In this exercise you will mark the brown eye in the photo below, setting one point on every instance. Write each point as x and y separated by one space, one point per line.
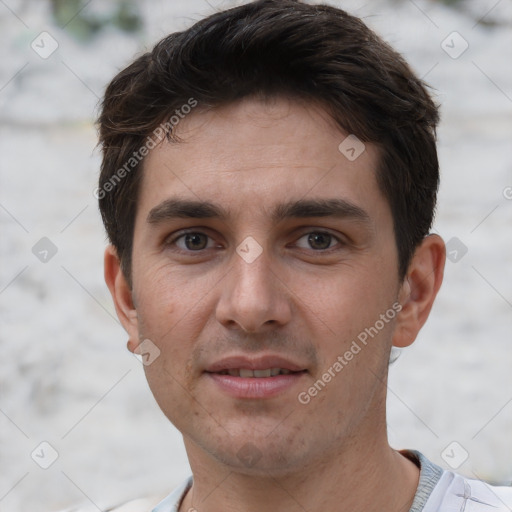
192 241
195 241
318 241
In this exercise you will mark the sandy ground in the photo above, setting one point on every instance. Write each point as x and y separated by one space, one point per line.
66 378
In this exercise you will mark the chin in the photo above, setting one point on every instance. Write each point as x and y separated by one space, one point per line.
253 461
256 452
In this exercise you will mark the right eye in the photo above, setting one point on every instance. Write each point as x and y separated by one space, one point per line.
191 241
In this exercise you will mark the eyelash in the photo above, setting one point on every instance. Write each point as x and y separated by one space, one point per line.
178 236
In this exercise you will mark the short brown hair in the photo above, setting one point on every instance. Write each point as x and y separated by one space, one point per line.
267 48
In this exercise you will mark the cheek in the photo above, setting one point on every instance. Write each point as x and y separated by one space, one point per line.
172 312
344 314
173 325
170 386
347 299
164 296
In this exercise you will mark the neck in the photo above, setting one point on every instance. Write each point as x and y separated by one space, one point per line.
367 476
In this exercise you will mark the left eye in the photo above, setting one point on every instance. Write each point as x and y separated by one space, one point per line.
318 240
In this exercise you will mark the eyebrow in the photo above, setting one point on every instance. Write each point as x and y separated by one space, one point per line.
173 208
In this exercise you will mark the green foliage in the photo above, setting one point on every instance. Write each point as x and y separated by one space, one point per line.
451 3
74 16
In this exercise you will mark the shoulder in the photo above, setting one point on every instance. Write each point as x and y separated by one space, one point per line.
456 492
442 490
499 497
152 504
173 501
139 505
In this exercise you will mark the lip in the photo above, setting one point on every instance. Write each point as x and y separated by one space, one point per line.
254 363
254 387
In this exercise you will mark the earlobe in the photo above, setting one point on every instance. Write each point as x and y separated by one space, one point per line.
122 296
419 289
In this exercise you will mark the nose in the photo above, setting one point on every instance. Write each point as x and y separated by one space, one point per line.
253 298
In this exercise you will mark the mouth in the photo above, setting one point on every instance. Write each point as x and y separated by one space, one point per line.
247 373
263 377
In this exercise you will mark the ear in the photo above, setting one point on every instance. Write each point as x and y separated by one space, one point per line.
419 289
122 296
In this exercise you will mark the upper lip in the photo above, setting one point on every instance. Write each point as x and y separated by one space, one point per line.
254 363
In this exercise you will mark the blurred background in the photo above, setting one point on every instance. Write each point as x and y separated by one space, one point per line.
78 424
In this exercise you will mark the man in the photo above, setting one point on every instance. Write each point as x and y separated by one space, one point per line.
268 183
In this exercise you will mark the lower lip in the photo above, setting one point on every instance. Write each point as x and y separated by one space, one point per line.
255 387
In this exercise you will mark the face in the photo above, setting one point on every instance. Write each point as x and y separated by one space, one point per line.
265 279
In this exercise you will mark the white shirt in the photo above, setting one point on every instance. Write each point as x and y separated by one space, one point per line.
439 490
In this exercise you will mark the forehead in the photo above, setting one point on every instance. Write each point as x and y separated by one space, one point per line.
250 155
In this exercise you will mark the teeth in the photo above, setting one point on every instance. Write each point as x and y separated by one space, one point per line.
246 373
262 373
